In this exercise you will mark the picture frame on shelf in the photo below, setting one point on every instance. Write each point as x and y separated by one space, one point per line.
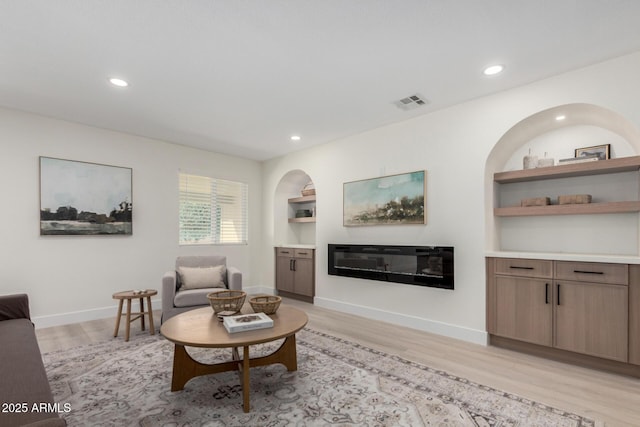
602 151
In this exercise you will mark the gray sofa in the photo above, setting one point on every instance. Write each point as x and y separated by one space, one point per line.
176 299
23 381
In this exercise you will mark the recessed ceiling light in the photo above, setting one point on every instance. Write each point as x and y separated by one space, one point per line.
561 117
493 70
295 138
118 82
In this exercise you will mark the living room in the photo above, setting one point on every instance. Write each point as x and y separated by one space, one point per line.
71 279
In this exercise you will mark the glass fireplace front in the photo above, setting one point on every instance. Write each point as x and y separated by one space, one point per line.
415 265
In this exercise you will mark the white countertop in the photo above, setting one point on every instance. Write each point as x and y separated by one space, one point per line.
618 259
296 246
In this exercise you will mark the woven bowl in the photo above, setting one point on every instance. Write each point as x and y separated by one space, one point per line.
267 304
229 301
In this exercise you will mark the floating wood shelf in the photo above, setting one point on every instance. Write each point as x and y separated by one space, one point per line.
623 164
303 199
600 167
581 209
303 219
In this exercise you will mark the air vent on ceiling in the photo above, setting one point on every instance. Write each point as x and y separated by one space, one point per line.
411 102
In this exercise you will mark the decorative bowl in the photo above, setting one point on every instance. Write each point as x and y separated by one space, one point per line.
229 301
267 304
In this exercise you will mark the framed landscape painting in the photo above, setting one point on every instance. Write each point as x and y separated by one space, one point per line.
394 199
602 152
80 198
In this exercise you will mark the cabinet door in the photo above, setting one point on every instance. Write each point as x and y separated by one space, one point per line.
304 276
284 274
523 309
592 318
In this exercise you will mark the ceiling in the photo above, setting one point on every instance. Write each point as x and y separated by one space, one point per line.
242 76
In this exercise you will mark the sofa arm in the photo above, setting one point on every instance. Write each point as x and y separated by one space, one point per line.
14 307
168 291
234 279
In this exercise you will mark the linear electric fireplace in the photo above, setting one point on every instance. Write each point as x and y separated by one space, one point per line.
414 265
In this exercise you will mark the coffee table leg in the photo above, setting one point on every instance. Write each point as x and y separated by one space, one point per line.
185 368
245 379
182 368
115 333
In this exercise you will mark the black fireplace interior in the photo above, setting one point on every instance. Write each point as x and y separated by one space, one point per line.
414 265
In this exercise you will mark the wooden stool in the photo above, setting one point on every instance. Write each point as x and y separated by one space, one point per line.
129 295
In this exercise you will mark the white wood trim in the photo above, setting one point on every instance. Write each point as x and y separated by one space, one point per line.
452 331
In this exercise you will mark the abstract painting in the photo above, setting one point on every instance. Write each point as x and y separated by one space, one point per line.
80 198
393 199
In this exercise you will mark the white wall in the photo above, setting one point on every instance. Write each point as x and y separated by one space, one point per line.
453 146
71 278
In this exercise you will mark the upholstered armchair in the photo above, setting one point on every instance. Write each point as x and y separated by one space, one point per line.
186 287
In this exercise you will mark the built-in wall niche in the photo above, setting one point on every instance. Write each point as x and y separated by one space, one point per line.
295 211
609 226
561 143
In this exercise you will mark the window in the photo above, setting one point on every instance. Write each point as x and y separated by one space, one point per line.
212 211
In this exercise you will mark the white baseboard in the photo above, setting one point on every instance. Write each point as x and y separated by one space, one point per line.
452 331
111 311
86 315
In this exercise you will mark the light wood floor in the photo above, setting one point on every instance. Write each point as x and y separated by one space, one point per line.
611 398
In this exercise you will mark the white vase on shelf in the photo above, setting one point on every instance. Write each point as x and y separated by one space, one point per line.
545 161
529 161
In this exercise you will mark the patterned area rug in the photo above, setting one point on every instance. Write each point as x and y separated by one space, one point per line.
337 383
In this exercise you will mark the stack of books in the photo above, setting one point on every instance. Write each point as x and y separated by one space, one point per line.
581 159
247 322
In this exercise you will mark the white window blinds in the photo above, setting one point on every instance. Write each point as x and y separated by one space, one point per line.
212 211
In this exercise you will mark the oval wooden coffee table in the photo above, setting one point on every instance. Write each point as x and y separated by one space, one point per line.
201 328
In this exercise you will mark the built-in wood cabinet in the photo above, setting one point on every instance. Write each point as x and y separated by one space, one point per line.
523 310
295 273
634 314
591 309
586 308
591 318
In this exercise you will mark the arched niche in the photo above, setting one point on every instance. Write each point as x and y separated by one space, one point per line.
543 132
286 233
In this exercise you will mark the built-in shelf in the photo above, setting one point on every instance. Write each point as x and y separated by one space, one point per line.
582 209
303 199
303 219
600 167
623 164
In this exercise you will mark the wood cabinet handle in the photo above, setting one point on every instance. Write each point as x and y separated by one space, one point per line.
558 292
520 268
588 272
294 264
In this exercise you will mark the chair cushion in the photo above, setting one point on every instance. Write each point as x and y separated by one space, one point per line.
192 297
202 277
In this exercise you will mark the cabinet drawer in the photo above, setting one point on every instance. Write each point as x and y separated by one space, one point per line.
288 252
617 274
524 267
304 253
